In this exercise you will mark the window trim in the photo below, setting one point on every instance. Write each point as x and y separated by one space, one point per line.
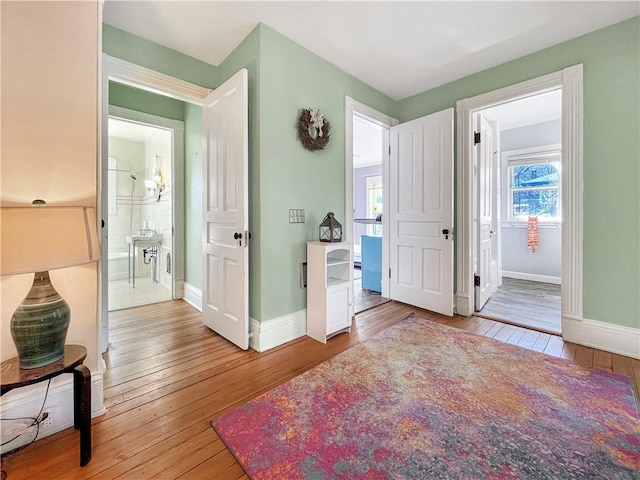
371 182
529 156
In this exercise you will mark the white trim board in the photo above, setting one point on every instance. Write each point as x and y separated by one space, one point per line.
193 296
263 335
353 107
601 335
532 277
27 401
144 78
277 331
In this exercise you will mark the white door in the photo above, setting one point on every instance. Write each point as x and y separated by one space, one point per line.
225 299
421 212
487 262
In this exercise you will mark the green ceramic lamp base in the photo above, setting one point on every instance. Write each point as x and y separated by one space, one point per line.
39 325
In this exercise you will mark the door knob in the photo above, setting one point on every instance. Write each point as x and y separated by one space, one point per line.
237 235
445 232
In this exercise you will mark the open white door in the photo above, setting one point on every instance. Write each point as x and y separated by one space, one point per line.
487 266
421 212
225 289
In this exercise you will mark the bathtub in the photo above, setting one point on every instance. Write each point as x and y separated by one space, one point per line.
118 265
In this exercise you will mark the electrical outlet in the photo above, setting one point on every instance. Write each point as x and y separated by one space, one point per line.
46 419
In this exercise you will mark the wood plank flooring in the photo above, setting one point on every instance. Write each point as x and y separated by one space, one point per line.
168 376
364 299
528 304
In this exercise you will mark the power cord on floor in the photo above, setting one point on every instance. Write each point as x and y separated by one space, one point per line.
35 421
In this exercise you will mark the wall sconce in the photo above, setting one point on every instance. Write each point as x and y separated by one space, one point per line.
157 184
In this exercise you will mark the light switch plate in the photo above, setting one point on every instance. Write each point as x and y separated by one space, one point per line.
296 215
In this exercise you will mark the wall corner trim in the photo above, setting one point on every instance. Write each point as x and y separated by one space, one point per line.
193 296
605 336
464 305
277 331
150 80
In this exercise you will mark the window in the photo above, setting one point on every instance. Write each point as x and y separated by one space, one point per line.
534 186
374 203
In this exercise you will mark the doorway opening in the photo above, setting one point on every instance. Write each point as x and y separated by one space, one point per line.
139 190
368 203
367 134
121 72
570 82
518 211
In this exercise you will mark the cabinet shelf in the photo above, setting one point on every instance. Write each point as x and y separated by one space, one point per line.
331 281
329 291
336 261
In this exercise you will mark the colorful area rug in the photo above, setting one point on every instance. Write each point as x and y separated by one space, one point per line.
424 401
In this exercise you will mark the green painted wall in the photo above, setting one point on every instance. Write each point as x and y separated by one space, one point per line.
125 46
141 101
193 194
284 77
292 78
611 59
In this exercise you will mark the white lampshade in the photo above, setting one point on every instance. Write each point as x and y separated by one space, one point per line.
42 238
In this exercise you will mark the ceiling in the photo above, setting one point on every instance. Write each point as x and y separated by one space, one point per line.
131 131
399 48
544 107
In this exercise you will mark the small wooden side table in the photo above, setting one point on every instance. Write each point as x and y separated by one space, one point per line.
12 376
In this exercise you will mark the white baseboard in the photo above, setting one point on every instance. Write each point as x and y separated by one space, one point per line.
464 305
532 277
193 296
179 289
27 402
263 335
601 335
277 331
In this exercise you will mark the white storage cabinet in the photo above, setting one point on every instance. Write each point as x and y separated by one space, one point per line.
329 293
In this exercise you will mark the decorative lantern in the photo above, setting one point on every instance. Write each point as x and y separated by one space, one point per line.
330 229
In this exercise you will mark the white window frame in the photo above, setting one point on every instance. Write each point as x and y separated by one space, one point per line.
530 156
372 181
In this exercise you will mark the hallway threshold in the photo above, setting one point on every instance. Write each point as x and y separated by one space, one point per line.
533 305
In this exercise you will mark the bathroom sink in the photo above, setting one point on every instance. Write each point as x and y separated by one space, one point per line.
144 240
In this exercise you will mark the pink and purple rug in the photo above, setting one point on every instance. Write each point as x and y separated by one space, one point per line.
422 400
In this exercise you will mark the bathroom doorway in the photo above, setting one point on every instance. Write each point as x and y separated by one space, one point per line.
139 190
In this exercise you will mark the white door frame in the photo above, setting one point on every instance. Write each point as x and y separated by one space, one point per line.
354 107
149 80
570 80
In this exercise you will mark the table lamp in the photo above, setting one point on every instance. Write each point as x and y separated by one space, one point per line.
37 239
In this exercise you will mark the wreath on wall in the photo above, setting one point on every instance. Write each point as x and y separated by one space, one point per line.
313 129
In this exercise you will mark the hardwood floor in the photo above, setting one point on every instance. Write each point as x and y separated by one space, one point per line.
168 376
528 304
364 299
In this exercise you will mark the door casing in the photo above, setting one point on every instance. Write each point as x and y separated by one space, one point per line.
149 80
353 107
570 80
